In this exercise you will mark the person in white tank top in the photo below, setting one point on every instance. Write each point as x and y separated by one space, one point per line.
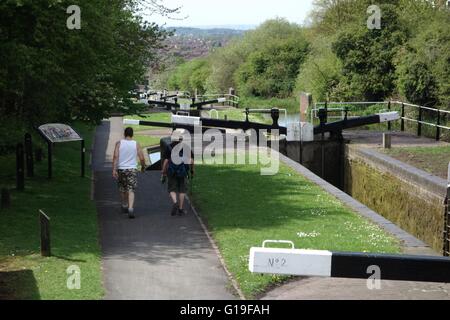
125 160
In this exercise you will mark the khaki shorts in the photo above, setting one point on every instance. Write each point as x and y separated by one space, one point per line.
176 184
127 180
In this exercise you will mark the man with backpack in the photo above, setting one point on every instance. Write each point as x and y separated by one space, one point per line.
177 169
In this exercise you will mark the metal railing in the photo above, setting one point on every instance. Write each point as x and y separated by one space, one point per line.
410 113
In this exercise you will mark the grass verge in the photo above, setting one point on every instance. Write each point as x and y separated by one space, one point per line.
434 160
24 274
243 208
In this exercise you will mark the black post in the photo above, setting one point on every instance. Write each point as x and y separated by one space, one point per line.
20 167
50 156
419 123
326 112
6 199
29 155
403 118
446 236
83 158
45 234
438 123
446 246
389 123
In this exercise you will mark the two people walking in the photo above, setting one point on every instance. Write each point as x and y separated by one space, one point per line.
177 168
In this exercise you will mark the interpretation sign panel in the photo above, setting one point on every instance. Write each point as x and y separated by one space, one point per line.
56 132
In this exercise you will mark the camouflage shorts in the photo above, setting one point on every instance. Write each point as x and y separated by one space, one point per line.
127 180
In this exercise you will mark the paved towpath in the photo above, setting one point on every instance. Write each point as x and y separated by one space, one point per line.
155 256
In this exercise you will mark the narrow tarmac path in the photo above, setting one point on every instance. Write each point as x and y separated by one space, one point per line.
155 256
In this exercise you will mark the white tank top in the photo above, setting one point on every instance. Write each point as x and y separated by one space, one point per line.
127 155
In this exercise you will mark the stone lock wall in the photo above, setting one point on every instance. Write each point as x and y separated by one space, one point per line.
401 196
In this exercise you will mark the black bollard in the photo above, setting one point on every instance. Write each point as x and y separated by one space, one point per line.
20 167
6 199
29 155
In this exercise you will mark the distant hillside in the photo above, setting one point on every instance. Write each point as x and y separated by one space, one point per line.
197 32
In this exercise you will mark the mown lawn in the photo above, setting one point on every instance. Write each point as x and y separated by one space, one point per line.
434 160
243 208
24 274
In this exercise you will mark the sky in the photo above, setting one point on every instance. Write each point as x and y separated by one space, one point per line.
206 13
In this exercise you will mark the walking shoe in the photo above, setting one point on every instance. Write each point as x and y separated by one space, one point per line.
131 213
124 210
182 212
174 210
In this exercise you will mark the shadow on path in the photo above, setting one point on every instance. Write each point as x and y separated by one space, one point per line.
154 256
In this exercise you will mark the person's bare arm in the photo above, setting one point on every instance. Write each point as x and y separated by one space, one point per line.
141 157
115 160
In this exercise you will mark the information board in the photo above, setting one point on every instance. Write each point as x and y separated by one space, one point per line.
56 133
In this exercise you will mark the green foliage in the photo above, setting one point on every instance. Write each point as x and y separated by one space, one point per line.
424 65
224 63
272 70
409 56
337 57
328 16
321 73
263 63
51 73
189 76
367 57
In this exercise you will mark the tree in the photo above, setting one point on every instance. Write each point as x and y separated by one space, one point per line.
367 57
320 75
272 71
424 66
51 73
